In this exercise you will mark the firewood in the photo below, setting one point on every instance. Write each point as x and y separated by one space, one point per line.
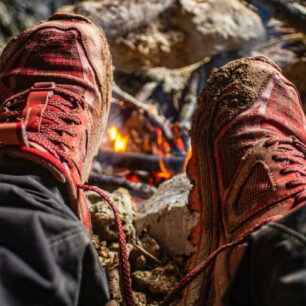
110 183
151 163
190 103
151 111
146 91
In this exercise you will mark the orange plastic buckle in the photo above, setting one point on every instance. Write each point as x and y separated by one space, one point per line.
13 134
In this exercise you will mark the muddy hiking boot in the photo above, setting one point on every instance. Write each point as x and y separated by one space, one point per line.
55 91
248 166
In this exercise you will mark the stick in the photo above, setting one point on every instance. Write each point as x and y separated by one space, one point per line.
152 112
146 91
283 39
148 109
138 246
189 106
111 183
150 163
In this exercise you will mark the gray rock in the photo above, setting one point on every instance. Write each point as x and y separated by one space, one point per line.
17 15
167 217
184 33
103 219
117 18
217 25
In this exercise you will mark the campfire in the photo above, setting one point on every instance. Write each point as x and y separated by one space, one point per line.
140 145
162 60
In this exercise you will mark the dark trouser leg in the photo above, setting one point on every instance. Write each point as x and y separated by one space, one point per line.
46 255
273 269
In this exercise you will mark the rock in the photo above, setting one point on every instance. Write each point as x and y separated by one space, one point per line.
141 263
185 33
167 217
214 26
150 245
103 219
117 18
159 280
141 299
158 44
17 15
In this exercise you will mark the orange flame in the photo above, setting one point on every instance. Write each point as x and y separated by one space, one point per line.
164 172
120 142
188 156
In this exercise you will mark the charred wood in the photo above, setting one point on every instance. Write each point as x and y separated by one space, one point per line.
110 183
190 103
152 112
150 163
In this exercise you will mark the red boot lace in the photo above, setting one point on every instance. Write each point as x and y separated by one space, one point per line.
54 124
292 153
288 150
62 111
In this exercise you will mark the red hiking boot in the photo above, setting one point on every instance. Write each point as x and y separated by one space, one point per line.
248 166
55 89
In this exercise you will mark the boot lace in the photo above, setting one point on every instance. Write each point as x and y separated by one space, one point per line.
287 150
291 152
60 115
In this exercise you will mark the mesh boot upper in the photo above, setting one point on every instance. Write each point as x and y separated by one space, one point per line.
56 78
248 164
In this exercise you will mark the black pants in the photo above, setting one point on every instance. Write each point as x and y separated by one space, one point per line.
46 255
47 258
273 269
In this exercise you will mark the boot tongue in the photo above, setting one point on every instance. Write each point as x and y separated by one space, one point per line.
52 55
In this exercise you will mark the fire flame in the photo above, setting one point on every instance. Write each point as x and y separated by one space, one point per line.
120 142
163 148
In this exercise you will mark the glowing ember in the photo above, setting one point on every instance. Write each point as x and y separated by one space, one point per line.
120 142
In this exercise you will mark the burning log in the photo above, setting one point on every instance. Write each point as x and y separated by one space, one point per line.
152 113
150 163
293 12
111 183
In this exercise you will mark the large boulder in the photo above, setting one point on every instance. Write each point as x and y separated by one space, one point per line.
183 33
119 17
